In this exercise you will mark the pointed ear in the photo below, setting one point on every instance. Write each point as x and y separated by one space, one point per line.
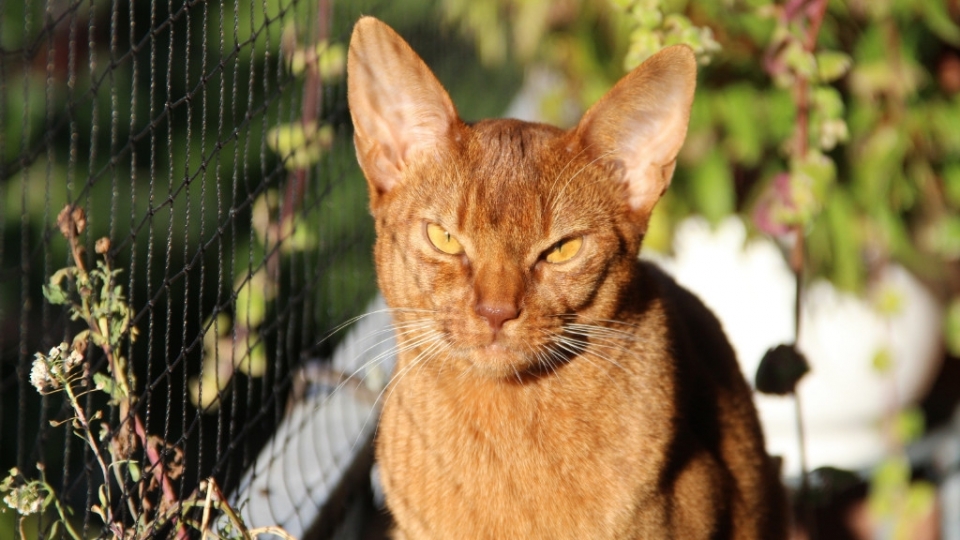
400 111
640 124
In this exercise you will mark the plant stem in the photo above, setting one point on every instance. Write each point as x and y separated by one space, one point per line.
65 520
117 369
60 510
814 12
155 460
92 443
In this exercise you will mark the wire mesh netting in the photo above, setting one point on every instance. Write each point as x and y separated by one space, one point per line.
180 210
184 231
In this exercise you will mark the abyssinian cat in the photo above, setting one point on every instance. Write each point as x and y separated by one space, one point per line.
548 383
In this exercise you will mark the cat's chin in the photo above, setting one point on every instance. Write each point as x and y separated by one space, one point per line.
499 361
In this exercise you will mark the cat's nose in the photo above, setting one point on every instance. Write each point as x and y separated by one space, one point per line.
497 313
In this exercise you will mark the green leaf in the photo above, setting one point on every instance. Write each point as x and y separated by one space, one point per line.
951 184
251 306
909 425
712 189
54 294
736 107
821 169
889 477
54 291
331 61
102 496
811 180
252 357
643 44
946 236
134 469
828 101
646 18
109 386
781 111
300 145
799 59
831 65
882 361
938 19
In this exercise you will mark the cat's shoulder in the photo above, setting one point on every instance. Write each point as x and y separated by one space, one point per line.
692 321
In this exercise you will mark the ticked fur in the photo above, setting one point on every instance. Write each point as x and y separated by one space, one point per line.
589 398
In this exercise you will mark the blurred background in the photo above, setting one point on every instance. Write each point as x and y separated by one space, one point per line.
210 142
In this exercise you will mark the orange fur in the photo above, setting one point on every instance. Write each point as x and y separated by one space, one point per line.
591 398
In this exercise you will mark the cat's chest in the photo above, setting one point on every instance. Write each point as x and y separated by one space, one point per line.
448 445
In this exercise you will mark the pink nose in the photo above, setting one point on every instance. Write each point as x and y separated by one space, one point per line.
496 314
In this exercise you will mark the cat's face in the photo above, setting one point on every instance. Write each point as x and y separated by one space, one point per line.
496 240
501 241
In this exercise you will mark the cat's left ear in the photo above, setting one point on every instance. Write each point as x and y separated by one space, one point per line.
640 124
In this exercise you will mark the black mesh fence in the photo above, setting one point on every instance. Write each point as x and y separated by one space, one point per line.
209 142
182 222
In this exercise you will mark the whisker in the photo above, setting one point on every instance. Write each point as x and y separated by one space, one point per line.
581 349
395 380
405 331
590 330
584 344
394 329
353 320
434 336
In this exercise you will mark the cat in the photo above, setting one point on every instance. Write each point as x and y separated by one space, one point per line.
548 383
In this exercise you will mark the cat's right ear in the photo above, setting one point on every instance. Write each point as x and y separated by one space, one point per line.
400 111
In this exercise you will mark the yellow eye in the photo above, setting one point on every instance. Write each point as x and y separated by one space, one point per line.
443 240
564 250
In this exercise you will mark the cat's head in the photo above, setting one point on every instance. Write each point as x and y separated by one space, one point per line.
497 240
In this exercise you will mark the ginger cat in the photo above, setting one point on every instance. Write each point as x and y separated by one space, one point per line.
548 384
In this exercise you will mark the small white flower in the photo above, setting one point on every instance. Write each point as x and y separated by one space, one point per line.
48 370
73 360
25 499
40 376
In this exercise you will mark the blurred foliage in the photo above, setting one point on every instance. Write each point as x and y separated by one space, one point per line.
872 176
897 503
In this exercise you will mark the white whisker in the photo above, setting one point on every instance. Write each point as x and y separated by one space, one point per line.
395 380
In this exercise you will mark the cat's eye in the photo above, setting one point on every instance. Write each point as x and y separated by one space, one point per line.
564 250
443 240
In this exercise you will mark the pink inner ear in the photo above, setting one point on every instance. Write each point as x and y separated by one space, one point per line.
379 169
400 111
642 123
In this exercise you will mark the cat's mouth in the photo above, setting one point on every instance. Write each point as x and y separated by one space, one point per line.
501 359
495 359
519 349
